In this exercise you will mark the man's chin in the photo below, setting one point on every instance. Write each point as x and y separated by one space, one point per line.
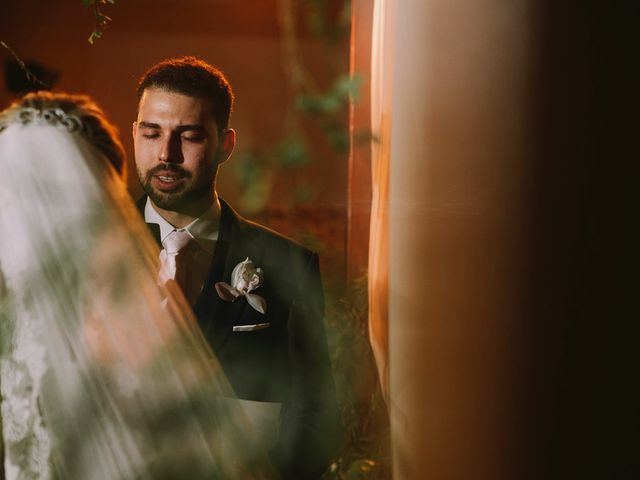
168 201
175 201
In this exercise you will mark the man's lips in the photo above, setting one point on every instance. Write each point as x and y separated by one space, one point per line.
167 179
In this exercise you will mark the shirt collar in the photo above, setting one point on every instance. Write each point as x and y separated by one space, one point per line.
203 229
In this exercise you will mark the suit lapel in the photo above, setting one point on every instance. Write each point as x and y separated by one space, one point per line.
154 228
155 232
216 316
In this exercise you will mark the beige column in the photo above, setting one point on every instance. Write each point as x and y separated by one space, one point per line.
507 138
459 163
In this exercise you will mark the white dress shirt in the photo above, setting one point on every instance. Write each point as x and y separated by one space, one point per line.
204 231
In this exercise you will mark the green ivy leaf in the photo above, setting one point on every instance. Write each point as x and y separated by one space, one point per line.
339 139
293 152
94 36
344 88
102 19
317 104
347 86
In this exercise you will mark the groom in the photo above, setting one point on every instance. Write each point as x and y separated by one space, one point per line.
268 331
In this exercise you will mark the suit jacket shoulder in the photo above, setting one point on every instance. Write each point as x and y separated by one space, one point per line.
262 234
283 260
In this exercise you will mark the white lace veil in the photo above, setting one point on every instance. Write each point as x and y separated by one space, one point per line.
125 385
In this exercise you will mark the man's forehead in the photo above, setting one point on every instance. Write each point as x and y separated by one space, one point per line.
155 94
157 101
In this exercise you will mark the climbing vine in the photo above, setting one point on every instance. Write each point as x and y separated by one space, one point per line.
100 20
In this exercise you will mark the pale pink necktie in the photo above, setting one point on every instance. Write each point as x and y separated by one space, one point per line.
173 265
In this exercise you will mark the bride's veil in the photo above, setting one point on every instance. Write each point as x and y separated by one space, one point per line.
129 388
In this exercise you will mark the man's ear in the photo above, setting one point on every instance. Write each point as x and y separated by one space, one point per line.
134 128
228 144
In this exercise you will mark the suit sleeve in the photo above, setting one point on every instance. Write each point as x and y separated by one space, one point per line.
310 427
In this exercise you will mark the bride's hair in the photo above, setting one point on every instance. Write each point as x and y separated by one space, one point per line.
95 126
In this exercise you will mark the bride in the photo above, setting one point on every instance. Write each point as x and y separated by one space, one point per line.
103 372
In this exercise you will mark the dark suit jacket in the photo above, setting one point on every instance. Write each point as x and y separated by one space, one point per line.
287 362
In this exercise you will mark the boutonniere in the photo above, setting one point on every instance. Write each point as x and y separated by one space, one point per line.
245 278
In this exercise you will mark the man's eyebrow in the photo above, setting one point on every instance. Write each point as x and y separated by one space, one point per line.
180 128
144 124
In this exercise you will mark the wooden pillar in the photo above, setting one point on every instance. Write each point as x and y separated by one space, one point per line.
359 189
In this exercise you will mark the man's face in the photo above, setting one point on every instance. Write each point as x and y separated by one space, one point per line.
178 149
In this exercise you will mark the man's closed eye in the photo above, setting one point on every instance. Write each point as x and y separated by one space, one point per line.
193 138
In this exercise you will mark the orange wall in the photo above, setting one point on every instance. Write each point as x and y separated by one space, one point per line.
242 38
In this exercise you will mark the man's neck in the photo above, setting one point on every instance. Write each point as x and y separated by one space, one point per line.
185 216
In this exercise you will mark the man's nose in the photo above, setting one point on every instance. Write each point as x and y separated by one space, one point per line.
170 150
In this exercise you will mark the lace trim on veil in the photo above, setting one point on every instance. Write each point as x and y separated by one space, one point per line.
50 116
25 439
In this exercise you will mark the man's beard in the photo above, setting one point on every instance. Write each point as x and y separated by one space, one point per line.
175 200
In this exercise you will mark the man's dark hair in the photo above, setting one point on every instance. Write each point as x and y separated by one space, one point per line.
195 78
